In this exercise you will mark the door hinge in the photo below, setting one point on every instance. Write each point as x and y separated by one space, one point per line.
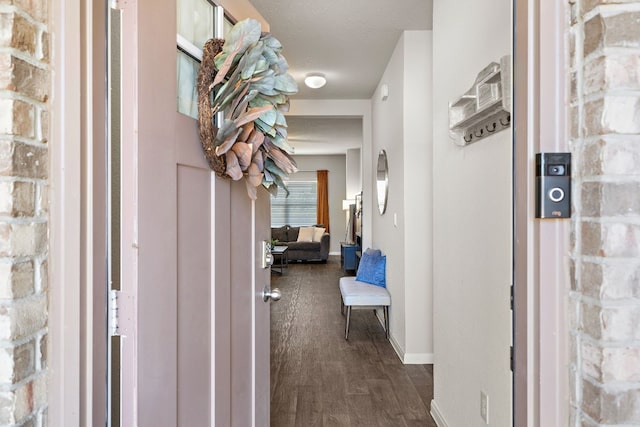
121 4
120 313
512 297
511 359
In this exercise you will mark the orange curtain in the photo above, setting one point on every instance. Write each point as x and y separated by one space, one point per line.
322 216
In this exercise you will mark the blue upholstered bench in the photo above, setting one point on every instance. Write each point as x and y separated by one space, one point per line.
361 294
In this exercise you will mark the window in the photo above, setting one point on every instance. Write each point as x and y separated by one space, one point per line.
196 25
187 94
195 21
299 209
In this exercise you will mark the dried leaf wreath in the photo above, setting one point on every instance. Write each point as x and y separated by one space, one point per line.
245 76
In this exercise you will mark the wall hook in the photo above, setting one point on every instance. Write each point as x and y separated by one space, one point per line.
508 121
493 127
481 134
470 138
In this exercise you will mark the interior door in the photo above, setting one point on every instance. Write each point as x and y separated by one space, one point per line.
195 344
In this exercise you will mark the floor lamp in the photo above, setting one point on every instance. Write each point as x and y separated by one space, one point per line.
346 206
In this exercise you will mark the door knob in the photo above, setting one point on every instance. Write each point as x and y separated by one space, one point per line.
274 294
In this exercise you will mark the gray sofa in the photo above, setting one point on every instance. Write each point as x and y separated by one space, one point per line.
301 251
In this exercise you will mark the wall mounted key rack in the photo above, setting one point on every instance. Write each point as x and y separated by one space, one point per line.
485 108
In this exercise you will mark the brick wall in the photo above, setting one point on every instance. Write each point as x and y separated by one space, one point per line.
24 89
605 244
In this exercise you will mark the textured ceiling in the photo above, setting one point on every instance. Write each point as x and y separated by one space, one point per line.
349 41
319 135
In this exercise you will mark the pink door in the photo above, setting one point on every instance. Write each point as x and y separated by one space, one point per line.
195 345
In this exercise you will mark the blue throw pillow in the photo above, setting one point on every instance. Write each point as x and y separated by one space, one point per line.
372 269
375 252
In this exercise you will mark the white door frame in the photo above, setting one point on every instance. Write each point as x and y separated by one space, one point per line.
541 262
539 114
76 235
65 346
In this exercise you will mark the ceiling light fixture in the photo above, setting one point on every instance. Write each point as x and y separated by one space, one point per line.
315 81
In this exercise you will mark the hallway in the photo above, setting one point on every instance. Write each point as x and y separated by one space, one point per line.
319 379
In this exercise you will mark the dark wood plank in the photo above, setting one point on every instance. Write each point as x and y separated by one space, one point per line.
320 379
309 407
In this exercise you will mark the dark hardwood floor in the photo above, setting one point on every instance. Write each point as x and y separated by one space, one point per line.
320 379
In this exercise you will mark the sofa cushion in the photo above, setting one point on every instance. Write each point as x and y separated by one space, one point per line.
317 233
306 234
280 233
292 234
304 246
358 293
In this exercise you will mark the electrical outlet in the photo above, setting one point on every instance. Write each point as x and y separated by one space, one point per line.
484 407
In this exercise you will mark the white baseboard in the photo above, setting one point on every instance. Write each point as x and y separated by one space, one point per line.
437 415
396 347
410 358
418 359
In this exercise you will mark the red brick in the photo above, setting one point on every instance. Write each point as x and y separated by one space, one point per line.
621 364
610 280
30 80
593 34
611 323
6 71
18 362
24 35
44 126
611 156
17 198
23 119
18 159
23 318
45 40
612 114
623 30
612 72
37 9
613 30
588 5
611 406
16 279
17 118
610 199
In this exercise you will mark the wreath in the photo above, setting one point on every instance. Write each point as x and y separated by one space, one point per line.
245 77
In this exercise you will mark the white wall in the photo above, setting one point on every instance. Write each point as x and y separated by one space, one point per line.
401 125
346 108
336 165
354 175
241 9
472 225
387 130
418 201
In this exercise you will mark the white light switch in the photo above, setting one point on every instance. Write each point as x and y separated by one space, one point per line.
384 92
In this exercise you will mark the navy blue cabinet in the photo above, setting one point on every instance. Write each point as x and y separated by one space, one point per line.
348 256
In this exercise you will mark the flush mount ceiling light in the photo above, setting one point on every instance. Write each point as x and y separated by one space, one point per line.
315 81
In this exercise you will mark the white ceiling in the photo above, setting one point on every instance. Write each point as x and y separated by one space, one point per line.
320 135
350 42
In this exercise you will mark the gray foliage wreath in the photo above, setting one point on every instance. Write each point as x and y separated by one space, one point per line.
245 76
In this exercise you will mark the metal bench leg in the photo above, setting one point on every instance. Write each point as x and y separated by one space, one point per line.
346 329
386 319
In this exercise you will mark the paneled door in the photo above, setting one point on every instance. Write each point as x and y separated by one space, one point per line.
194 344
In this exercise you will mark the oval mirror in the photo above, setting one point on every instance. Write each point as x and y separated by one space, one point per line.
382 181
